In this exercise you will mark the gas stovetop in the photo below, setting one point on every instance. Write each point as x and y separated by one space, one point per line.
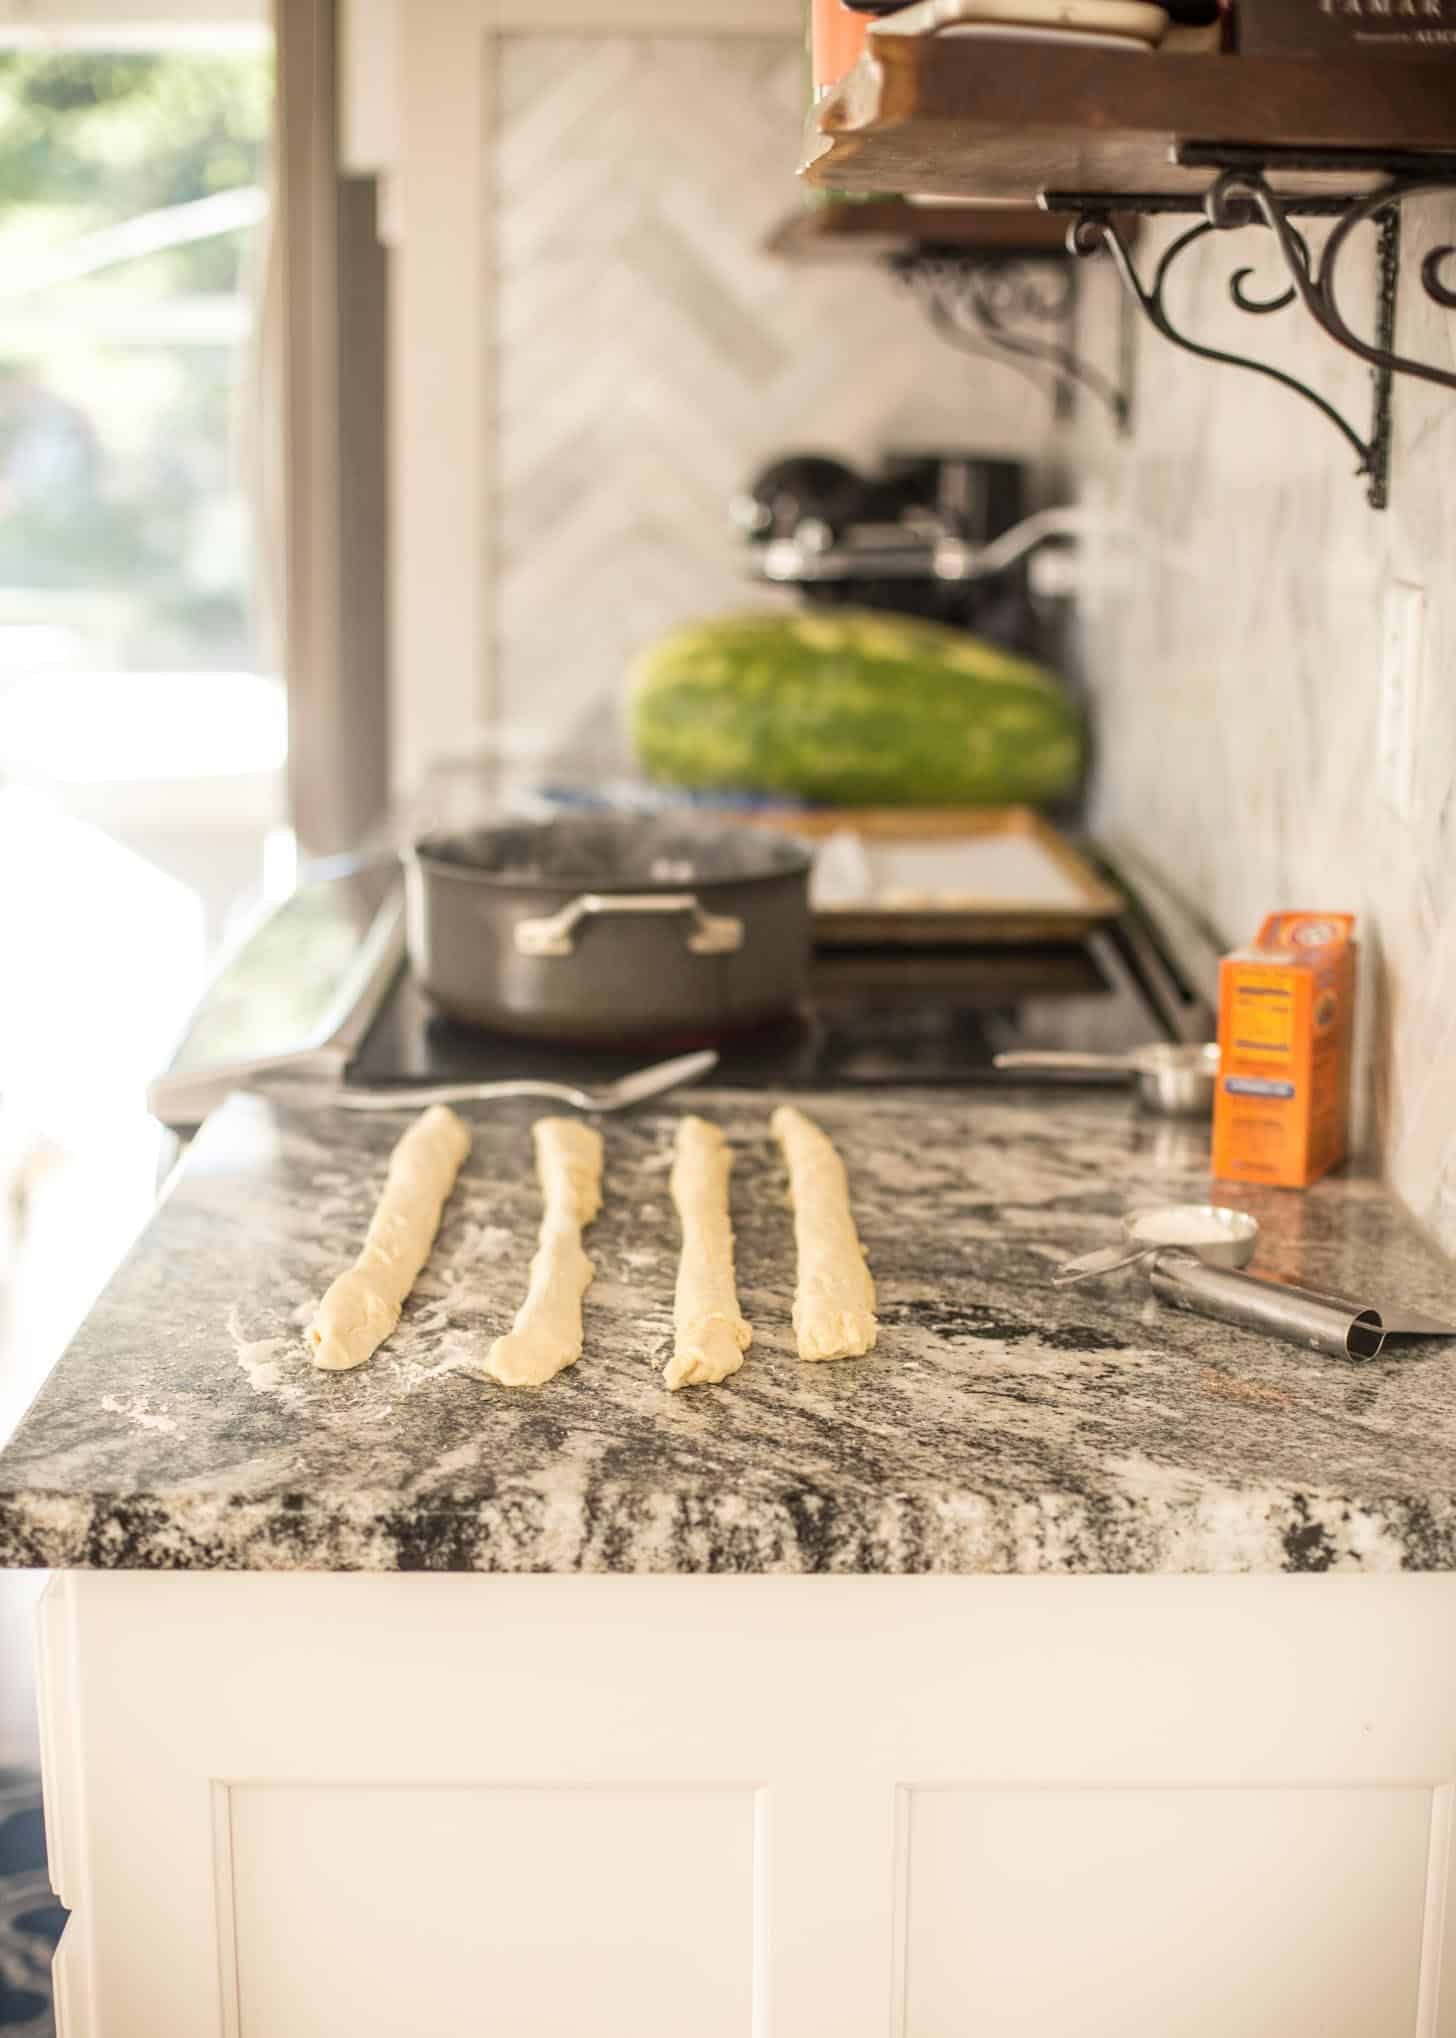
321 987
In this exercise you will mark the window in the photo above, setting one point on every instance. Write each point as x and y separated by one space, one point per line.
142 727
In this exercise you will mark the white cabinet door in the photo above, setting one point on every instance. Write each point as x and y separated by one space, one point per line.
365 1913
1179 1913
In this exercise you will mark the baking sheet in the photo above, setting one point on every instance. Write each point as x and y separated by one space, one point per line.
947 876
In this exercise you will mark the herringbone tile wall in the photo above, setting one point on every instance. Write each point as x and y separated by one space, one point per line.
648 356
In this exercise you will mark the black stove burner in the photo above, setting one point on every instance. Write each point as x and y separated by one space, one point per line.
875 1017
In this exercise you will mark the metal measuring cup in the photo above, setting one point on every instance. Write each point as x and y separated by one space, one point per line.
1172 1077
1219 1235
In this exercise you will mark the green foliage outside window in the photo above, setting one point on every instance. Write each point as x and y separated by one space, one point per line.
120 511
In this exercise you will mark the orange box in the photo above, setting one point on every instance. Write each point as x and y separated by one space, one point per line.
1285 1009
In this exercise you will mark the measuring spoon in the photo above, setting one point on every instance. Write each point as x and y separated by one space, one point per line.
1219 1235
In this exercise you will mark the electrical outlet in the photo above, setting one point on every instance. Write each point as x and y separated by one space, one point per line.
1398 726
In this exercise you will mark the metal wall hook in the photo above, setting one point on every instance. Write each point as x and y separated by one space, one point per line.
1431 279
1099 229
1030 365
984 304
1242 196
1258 307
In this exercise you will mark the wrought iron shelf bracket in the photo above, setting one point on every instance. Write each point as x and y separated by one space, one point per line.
1243 194
1017 308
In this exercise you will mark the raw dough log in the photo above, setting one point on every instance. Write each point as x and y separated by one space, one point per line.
362 1307
547 1332
834 1302
710 1334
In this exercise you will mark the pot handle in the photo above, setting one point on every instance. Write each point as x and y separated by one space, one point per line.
709 934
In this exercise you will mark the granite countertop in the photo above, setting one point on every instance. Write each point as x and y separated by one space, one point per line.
1001 1425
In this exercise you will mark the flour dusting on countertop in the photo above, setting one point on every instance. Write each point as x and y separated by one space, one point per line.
138 1412
1000 1425
258 1357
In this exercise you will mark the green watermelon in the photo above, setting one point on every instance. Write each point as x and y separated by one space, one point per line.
853 708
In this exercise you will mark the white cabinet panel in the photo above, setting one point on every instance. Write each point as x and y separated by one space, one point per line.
1176 1913
811 1808
528 1913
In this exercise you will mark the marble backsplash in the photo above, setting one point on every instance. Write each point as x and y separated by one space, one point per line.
648 355
1233 643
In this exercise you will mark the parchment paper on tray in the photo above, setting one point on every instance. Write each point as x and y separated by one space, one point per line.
911 876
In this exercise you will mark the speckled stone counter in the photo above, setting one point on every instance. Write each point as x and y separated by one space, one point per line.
1002 1425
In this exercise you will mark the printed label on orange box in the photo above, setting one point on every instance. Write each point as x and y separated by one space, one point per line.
1285 1009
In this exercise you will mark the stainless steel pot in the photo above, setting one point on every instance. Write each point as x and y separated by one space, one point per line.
594 928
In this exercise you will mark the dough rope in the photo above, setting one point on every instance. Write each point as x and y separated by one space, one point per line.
547 1335
361 1308
834 1300
710 1335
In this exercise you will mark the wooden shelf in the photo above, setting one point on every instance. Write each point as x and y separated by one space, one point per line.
965 118
880 228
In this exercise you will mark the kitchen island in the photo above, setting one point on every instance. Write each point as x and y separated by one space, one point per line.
1066 1664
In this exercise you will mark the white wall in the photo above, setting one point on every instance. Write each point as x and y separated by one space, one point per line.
1237 672
649 356
591 351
